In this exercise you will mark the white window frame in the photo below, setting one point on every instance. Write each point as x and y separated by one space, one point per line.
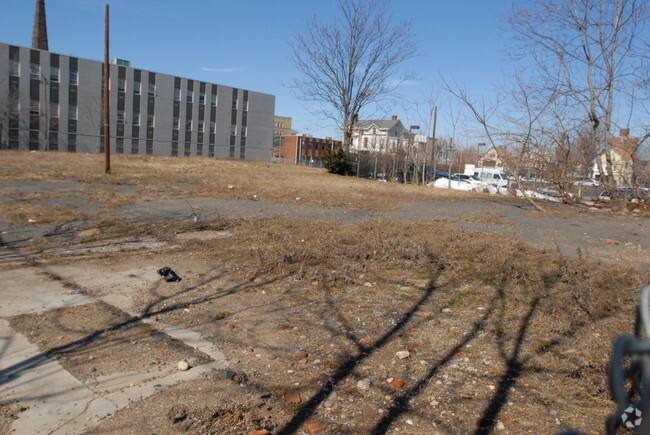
34 71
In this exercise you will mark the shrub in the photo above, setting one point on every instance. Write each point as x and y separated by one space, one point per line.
338 162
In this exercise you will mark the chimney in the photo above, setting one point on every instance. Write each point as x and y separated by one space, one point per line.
39 34
625 132
394 117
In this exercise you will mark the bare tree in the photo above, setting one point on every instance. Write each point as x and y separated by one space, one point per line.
352 62
590 49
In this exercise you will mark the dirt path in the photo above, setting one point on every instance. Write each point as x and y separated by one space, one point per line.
571 230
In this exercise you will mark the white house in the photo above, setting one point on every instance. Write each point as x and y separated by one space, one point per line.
380 135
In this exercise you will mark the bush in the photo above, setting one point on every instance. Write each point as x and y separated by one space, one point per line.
338 162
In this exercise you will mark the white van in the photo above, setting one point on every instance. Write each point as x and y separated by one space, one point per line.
492 176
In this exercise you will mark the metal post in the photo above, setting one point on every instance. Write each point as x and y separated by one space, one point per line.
433 142
107 77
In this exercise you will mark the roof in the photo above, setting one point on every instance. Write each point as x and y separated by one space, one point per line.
382 124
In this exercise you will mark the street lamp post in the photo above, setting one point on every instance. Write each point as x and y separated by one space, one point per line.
478 152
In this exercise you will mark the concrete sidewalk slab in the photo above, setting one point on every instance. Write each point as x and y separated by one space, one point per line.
26 291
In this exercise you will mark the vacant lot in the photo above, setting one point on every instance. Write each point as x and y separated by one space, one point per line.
341 305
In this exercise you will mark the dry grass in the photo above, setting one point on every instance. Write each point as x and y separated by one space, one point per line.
234 179
26 213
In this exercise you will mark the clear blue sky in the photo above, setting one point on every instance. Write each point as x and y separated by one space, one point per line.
245 44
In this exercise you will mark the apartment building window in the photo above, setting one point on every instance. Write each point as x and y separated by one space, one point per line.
213 100
136 119
72 111
213 127
234 101
54 110
201 125
120 116
233 130
14 68
190 96
177 94
33 107
137 88
176 124
34 71
151 121
152 89
188 125
54 74
74 77
121 85
244 131
202 98
245 105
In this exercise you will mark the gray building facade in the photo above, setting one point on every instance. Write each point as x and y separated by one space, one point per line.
54 102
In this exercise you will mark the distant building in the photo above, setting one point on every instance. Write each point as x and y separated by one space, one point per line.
281 128
303 150
50 101
496 158
380 135
626 164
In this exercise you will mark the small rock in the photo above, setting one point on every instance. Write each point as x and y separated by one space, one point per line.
363 384
302 361
409 422
314 427
230 375
403 354
292 396
446 310
183 366
331 399
219 316
230 326
500 426
434 403
260 432
300 355
367 284
397 383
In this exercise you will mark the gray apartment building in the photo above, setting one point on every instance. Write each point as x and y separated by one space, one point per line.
51 101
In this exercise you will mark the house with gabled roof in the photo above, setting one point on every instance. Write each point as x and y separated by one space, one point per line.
623 150
380 135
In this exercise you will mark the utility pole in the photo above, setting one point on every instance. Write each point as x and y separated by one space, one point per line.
107 78
433 145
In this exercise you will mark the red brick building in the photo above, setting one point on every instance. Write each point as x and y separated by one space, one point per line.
303 150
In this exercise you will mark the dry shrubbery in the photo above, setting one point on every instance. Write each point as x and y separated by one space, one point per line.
334 255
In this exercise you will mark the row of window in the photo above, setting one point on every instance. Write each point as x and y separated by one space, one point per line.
35 73
54 112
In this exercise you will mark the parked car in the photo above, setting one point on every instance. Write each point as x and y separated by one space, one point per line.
492 176
629 193
587 182
471 179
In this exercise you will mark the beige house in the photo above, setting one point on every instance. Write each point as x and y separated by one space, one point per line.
495 157
622 150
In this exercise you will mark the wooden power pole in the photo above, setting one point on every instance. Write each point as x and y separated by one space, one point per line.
107 78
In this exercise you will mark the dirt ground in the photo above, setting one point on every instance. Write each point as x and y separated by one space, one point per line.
470 315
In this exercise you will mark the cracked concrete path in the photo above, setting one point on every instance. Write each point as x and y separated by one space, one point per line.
55 401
